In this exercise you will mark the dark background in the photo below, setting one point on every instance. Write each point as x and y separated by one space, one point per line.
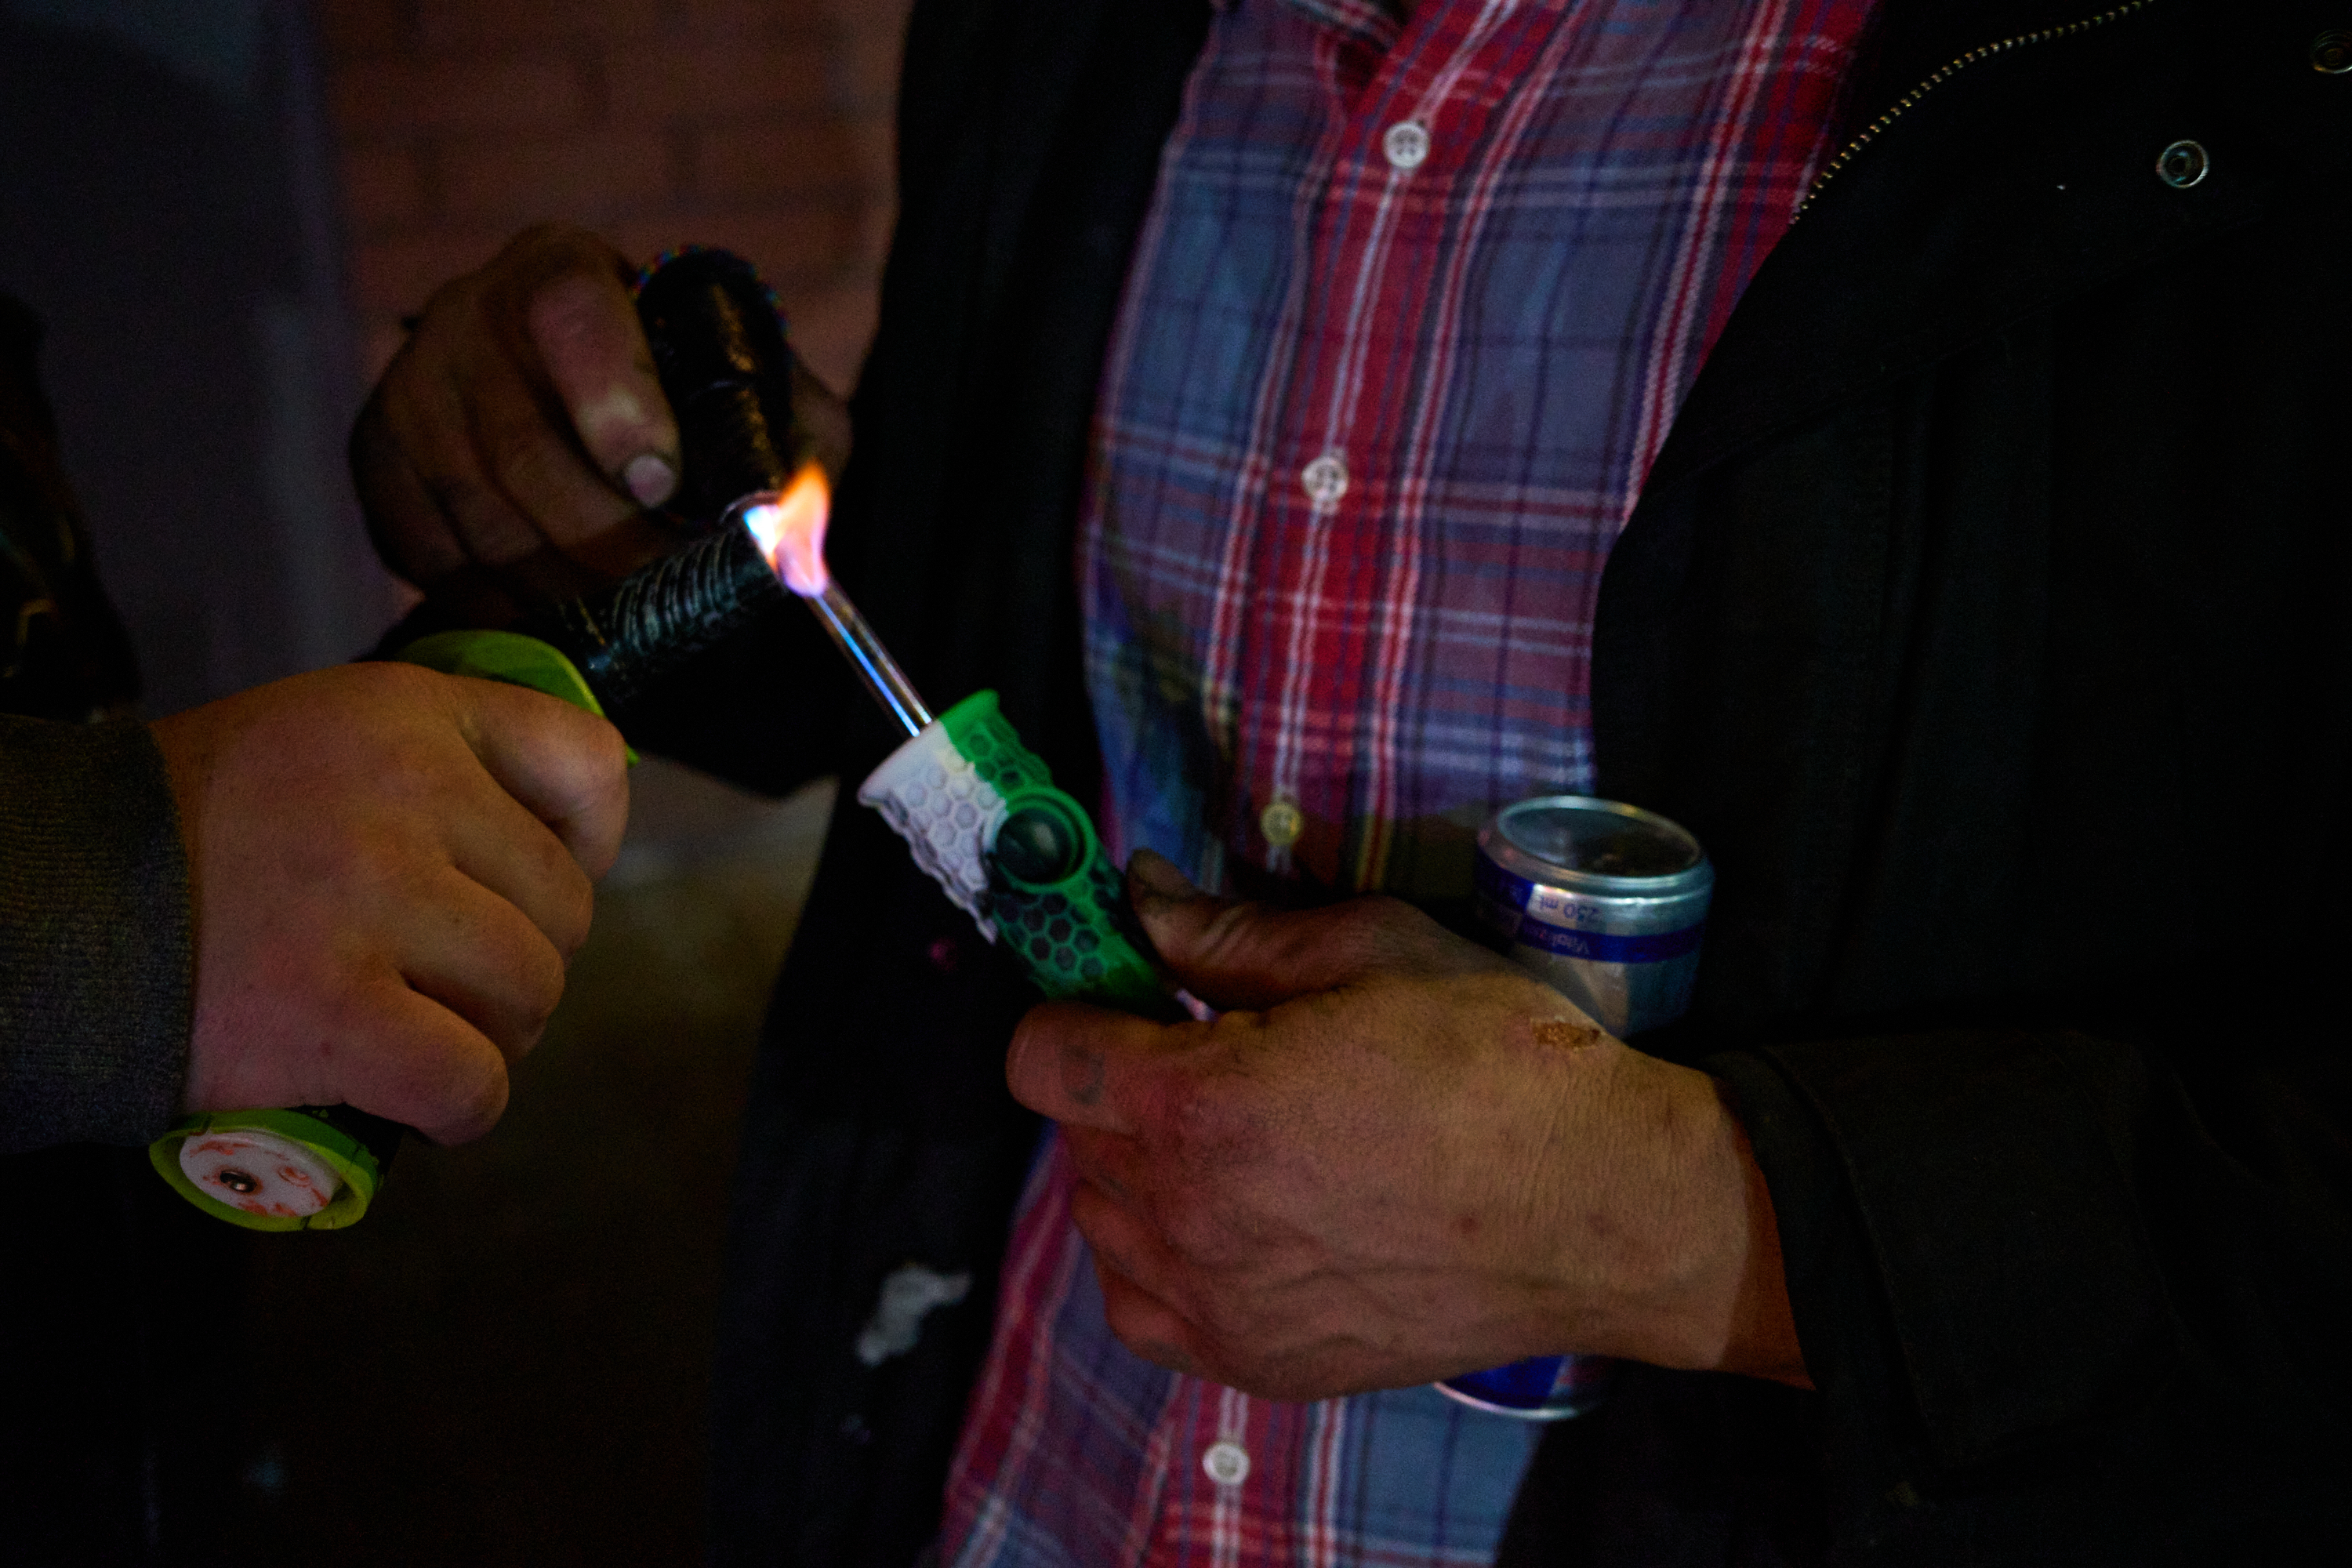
222 209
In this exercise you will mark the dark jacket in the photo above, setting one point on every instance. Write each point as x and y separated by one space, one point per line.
1984 615
101 1359
95 951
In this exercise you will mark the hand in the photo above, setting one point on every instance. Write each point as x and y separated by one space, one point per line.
1396 1158
390 869
512 447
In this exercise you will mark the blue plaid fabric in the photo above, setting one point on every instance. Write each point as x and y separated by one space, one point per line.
1402 1477
1416 304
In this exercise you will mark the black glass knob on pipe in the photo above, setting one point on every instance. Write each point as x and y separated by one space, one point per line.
725 366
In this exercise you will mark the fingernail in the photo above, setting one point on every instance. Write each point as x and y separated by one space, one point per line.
1160 877
649 479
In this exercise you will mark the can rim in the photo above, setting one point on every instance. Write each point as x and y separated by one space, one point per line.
1514 1412
1698 873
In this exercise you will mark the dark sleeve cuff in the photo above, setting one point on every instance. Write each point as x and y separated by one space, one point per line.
1965 1243
1832 1285
96 949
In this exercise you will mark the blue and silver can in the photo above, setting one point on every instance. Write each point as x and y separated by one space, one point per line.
1605 904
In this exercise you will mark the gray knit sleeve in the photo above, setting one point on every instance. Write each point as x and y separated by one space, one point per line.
97 945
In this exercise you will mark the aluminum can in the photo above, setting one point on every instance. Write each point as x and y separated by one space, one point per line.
1602 902
1605 904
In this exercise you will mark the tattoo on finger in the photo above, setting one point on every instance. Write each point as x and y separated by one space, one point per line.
1082 1075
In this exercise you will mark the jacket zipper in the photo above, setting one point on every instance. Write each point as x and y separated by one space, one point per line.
1875 128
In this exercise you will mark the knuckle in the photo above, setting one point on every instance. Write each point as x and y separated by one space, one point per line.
1098 1159
393 863
1390 934
553 242
1363 930
458 296
472 1100
578 304
574 910
392 681
1144 1328
526 456
525 263
1226 1316
523 983
385 714
363 991
1232 931
1130 1323
361 855
1196 1116
486 525
541 982
1189 1229
601 757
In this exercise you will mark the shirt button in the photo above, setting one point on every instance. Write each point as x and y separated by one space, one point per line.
1325 480
1406 144
2183 164
1226 1463
1282 821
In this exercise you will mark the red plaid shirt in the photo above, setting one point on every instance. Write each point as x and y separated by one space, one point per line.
1416 302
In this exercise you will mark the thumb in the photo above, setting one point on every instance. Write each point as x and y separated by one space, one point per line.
586 331
1235 954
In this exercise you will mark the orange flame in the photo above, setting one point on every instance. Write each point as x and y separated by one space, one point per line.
790 530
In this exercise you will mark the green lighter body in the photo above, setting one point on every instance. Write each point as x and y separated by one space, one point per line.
982 814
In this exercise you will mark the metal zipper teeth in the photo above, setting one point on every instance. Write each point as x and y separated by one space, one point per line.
1878 126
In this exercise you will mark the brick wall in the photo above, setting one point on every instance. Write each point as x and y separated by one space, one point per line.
762 125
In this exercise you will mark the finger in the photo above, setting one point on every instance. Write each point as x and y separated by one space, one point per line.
1250 955
417 540
447 437
1074 1063
402 1055
542 447
823 418
501 846
1193 1209
568 768
586 331
435 517
1112 1162
1148 1326
479 955
1125 1241
524 446
411 534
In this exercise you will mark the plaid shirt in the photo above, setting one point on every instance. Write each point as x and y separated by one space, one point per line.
1416 304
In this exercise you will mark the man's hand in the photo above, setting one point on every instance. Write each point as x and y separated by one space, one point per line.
1396 1158
390 868
515 441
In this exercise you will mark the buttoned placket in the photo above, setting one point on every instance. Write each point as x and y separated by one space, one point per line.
1392 167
